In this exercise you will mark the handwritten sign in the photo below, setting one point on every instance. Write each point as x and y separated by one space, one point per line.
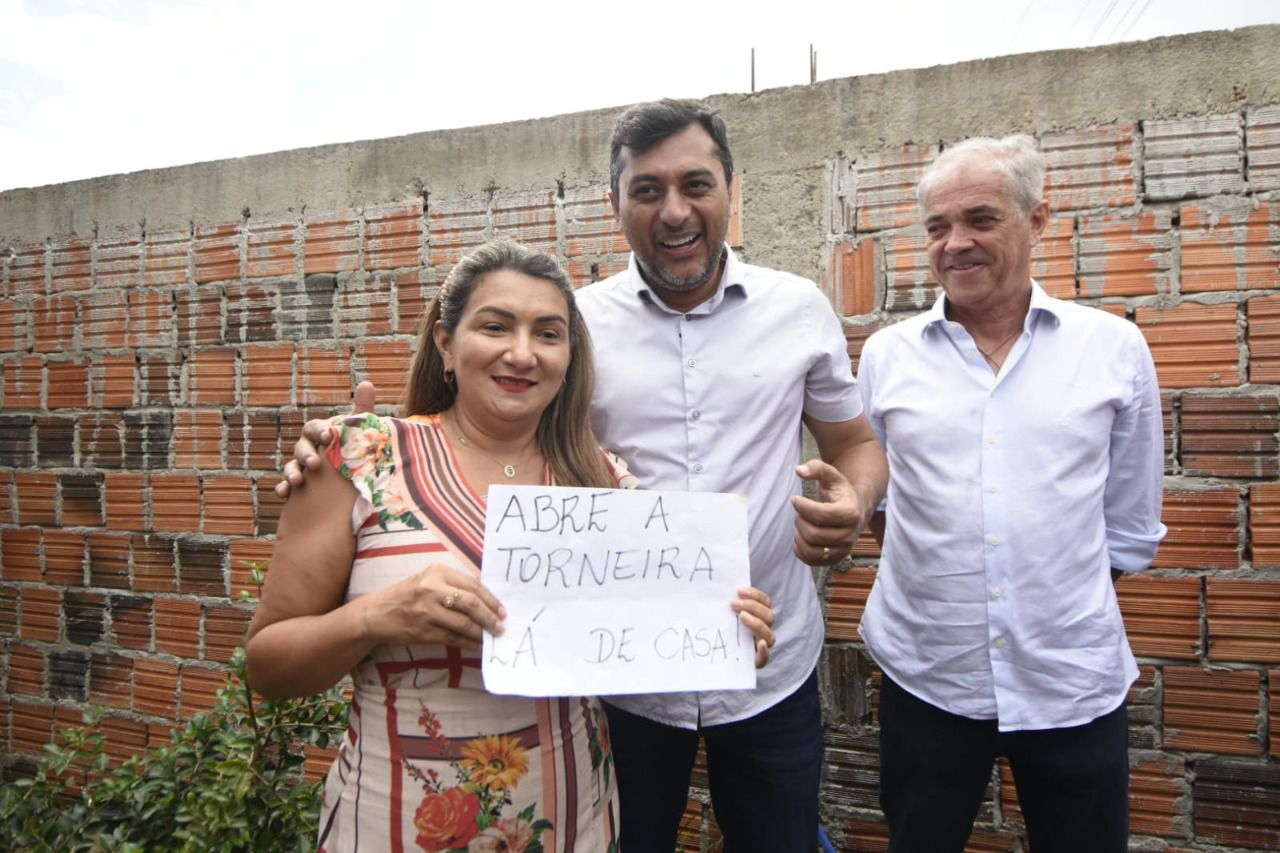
616 591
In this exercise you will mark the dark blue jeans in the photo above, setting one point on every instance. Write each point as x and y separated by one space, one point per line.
764 775
1073 783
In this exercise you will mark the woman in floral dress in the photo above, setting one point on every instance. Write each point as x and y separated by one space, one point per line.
376 574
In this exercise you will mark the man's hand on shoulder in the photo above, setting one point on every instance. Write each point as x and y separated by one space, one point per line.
315 435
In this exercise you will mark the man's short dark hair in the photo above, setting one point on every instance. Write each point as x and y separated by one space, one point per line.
645 125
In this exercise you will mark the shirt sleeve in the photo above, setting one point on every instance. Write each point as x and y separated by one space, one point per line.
830 392
1134 492
361 450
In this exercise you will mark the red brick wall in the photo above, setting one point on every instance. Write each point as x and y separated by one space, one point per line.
153 383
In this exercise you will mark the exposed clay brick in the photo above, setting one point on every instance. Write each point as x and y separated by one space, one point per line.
27 271
1211 711
23 383
109 560
1244 619
21 549
155 569
197 439
582 273
1192 344
414 292
1264 524
1126 256
1230 436
852 279
1203 528
1273 677
846 596
324 376
124 739
32 727
393 235
199 315
16 446
1091 168
125 496
200 567
64 557
269 505
177 623
591 229
1143 702
267 377
1237 803
1158 796
41 611
272 249
909 286
70 266
1223 251
104 319
253 440
211 377
1195 157
131 621
455 228
217 253
886 186
101 440
167 257
151 318
175 502
53 323
37 498
364 306
56 441
117 262
1053 262
68 385
155 687
250 312
385 364
306 311
1161 615
13 326
1262 129
228 502
81 499
246 553
111 680
526 218
86 614
148 437
111 381
200 686
26 671
866 836
1264 339
224 630
331 243
851 765
8 514
317 761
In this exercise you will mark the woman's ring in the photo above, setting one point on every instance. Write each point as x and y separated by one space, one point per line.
451 599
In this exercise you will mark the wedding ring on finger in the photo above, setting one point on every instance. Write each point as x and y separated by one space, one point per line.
826 553
451 599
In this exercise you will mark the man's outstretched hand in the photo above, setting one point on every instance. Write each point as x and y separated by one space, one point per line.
315 435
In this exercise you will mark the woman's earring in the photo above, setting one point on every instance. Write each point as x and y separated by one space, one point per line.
449 380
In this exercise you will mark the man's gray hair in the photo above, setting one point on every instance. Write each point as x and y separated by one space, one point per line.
1016 157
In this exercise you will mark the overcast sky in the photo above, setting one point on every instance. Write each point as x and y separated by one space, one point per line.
96 88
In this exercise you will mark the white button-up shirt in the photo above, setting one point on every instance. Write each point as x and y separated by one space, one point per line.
1011 497
712 401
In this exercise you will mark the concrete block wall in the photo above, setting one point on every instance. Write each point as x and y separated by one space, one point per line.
164 335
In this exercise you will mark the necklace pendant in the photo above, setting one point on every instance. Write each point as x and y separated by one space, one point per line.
509 471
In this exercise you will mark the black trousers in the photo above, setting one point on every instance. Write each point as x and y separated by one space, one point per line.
1073 783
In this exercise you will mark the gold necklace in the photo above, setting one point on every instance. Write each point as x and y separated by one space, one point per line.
990 356
508 468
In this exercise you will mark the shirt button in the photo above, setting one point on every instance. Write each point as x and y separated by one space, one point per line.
697 468
993 540
992 489
997 592
1000 643
693 362
991 440
695 414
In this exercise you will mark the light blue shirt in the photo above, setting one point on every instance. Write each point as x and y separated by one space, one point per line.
1010 499
712 401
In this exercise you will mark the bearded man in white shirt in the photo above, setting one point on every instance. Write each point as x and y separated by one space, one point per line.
1026 457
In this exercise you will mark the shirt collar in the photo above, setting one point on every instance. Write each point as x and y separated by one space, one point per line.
732 280
1041 303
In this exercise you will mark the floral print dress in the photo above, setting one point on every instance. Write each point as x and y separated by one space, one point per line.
431 761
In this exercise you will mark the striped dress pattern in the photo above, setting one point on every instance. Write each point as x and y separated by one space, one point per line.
430 761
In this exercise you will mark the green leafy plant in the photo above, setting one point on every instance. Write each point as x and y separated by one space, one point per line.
230 779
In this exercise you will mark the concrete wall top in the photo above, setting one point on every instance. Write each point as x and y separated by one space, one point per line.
774 132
